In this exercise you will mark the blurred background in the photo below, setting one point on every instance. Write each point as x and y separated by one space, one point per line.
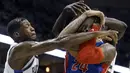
43 13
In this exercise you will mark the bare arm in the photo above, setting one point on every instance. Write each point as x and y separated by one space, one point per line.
74 25
115 24
26 49
30 48
69 13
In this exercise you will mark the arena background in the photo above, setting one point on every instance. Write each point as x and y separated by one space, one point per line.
43 13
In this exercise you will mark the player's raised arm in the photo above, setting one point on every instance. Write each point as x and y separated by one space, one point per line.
69 13
121 26
75 24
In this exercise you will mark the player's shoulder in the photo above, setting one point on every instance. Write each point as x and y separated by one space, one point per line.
12 46
21 46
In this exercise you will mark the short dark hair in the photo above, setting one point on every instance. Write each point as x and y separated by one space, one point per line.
14 25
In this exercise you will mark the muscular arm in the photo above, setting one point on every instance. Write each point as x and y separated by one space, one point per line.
115 24
75 24
26 49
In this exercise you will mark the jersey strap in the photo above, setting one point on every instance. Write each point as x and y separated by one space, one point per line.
28 64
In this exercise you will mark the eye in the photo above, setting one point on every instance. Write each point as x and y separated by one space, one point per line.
26 25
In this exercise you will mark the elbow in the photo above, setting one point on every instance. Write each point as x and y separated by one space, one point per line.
124 25
122 30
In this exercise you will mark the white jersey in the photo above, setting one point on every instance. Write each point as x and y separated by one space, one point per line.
30 67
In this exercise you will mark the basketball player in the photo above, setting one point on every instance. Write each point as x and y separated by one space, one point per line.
22 56
94 64
83 67
86 62
78 61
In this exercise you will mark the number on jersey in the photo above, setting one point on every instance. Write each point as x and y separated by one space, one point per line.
35 69
82 67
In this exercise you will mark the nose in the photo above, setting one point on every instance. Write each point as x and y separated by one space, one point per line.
88 27
32 29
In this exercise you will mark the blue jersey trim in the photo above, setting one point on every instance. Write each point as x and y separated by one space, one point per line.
99 43
18 71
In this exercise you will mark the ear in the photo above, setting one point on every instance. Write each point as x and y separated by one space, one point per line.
16 34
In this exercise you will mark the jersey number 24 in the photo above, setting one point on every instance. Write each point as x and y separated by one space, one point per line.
77 66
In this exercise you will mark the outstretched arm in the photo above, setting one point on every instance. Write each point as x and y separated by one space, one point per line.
26 49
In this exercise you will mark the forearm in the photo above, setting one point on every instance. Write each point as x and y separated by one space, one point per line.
66 41
74 25
79 38
47 46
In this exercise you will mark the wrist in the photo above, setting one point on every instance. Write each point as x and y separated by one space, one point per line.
100 33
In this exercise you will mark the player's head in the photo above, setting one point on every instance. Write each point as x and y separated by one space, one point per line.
20 29
96 26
